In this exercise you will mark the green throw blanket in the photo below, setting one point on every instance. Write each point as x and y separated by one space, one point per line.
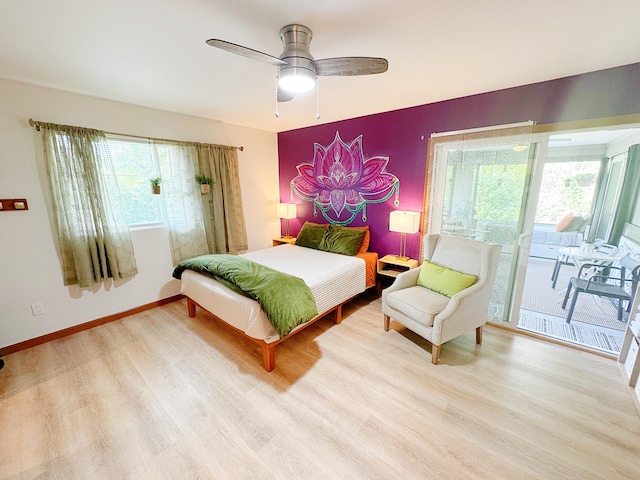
286 299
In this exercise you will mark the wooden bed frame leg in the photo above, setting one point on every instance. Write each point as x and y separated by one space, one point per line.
269 357
387 320
338 314
479 335
191 307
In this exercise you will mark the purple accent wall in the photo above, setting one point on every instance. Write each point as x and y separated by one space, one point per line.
402 135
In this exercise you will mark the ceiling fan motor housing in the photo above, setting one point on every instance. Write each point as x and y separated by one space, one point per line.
296 40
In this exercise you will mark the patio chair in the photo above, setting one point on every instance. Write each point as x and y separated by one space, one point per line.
613 285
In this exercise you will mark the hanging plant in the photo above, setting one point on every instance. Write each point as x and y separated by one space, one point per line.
205 183
155 185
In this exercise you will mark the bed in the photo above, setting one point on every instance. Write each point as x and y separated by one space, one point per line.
333 279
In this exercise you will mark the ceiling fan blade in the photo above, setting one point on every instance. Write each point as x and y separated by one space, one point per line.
348 66
284 96
245 52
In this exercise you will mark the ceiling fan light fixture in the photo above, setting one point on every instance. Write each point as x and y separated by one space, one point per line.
297 69
297 80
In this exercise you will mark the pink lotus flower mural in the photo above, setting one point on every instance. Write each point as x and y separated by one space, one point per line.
340 182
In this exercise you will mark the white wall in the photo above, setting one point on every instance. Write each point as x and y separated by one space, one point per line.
29 267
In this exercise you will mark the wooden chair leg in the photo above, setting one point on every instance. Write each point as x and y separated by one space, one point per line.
387 320
435 353
479 335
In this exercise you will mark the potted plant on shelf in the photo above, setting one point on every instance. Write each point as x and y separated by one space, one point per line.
205 183
155 185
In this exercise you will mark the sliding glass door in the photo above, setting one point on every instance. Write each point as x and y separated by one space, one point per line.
511 185
477 189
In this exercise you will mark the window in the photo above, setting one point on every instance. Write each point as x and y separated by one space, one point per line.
567 187
135 164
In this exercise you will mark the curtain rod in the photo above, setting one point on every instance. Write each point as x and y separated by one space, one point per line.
483 129
37 123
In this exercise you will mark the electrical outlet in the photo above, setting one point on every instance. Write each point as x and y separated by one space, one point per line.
37 308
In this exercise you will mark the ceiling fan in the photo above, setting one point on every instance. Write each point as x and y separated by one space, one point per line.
297 69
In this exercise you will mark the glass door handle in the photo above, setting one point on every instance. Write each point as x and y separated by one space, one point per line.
524 240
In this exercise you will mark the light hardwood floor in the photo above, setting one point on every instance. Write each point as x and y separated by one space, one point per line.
159 395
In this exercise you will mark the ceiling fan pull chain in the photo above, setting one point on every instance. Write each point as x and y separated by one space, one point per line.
277 113
317 99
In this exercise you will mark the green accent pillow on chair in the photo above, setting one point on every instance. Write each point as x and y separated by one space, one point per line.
444 280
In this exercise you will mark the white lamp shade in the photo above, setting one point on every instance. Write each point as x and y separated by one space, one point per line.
404 222
287 210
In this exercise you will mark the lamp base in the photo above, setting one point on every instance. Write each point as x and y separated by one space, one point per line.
403 248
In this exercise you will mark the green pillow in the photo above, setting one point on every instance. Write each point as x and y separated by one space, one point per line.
346 241
310 235
444 280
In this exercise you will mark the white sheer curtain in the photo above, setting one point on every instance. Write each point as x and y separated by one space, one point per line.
92 229
201 223
182 199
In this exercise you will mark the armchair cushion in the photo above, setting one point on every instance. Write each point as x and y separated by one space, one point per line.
444 280
418 302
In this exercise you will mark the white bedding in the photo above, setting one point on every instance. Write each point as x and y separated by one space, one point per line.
332 278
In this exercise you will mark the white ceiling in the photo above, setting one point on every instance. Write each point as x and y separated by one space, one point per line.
153 53
591 137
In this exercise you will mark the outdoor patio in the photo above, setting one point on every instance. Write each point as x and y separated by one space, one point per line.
594 323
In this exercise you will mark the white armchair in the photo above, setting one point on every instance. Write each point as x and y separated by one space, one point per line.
434 316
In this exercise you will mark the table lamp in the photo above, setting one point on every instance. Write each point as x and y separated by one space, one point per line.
404 222
286 211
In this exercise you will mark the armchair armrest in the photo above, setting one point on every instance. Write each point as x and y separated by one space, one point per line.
404 280
461 314
464 297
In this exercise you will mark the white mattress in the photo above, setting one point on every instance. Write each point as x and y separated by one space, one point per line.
332 279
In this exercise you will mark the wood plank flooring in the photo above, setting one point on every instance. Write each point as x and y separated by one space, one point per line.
161 396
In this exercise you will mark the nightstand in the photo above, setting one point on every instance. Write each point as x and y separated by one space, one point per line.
283 240
391 266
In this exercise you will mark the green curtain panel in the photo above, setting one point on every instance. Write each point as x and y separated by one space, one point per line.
93 235
628 193
224 215
178 167
201 223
